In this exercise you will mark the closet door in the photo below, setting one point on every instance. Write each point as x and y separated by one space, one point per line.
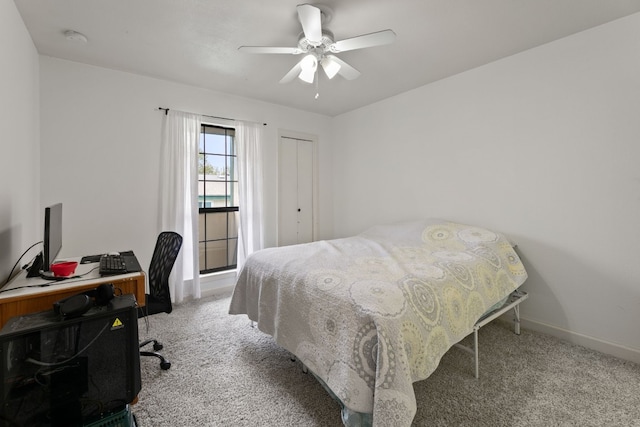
305 191
295 191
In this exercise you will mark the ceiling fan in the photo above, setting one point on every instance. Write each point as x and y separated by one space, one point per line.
318 46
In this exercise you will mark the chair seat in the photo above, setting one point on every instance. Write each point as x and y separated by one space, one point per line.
153 305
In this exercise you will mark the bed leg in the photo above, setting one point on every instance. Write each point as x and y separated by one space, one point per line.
475 351
516 319
305 370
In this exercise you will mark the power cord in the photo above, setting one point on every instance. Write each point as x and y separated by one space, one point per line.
40 363
17 262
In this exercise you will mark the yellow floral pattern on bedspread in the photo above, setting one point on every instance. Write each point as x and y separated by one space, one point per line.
371 314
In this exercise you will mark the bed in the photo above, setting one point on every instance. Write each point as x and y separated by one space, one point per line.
370 315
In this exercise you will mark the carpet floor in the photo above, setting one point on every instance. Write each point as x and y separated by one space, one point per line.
226 373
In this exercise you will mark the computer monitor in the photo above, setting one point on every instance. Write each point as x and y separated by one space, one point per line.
52 242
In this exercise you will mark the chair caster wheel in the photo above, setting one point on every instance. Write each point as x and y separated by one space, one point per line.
157 346
165 365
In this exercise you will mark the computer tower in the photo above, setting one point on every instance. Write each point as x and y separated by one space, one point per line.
67 372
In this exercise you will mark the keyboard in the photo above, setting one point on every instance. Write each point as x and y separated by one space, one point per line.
112 264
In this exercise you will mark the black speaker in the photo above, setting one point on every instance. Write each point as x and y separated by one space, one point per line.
57 371
79 304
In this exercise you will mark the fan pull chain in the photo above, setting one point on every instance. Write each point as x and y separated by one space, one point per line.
317 84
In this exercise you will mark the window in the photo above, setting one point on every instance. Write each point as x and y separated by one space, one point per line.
217 199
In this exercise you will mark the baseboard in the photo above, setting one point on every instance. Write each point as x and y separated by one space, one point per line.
222 285
606 347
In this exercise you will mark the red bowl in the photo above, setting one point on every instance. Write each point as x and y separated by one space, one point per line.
64 269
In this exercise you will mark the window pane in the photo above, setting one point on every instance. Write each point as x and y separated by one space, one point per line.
232 189
201 229
233 224
214 167
201 253
216 226
215 254
215 194
229 186
214 143
233 252
231 146
201 193
232 174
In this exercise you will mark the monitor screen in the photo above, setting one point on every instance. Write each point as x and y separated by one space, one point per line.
52 235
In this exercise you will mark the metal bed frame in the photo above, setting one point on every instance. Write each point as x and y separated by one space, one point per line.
513 302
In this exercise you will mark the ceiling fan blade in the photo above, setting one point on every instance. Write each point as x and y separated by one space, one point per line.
311 20
367 40
293 73
346 70
270 49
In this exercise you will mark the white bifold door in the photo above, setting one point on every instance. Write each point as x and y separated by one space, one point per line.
295 191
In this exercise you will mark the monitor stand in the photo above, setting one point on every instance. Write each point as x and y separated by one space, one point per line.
34 269
48 275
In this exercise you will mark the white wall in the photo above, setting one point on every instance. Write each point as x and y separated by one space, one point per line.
101 127
20 214
543 146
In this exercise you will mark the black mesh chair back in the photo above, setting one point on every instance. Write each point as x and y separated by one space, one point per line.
158 299
164 256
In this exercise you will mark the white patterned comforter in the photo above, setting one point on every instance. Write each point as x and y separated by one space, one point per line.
372 314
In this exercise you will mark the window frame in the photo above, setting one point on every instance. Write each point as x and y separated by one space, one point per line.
229 182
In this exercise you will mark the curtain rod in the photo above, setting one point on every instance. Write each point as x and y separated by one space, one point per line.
166 111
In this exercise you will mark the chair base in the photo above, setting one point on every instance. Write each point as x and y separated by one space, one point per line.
157 346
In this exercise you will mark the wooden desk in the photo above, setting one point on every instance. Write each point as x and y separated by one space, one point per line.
17 299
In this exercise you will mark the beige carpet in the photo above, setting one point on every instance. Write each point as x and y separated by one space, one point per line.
226 373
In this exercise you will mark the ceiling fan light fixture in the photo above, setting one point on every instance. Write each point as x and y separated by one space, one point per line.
308 65
307 75
330 66
318 45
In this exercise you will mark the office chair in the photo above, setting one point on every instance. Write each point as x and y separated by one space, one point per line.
158 300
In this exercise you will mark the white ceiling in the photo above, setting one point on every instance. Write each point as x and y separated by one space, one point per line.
196 41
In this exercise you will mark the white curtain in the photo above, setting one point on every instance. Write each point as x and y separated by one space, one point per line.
250 186
178 201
